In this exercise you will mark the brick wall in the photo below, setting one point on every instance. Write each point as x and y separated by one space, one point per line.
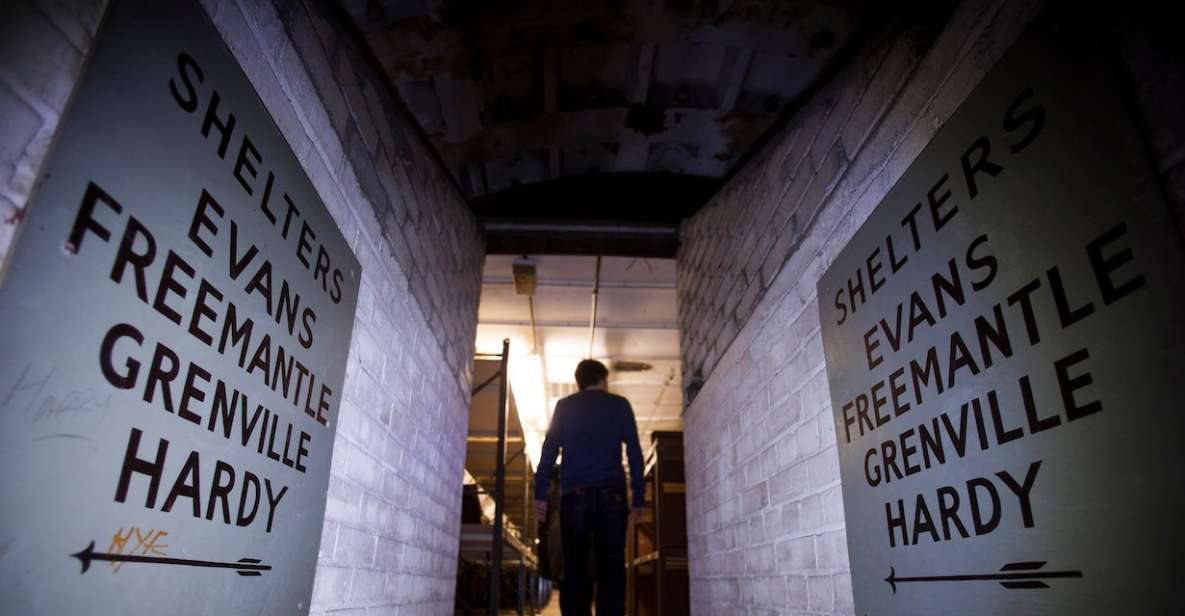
1151 52
42 48
765 510
389 543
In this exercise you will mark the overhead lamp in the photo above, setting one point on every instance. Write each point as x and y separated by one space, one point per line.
631 366
525 278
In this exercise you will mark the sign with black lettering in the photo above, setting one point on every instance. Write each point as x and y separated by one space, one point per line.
177 315
1003 340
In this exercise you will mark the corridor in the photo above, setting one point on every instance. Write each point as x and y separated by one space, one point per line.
888 293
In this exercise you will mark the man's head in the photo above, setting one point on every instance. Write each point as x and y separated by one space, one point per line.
591 373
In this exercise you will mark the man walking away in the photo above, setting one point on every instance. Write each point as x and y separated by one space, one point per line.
590 427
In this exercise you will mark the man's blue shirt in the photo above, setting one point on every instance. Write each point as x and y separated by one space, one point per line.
590 427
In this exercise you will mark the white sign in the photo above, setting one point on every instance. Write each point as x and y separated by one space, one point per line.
1003 339
176 323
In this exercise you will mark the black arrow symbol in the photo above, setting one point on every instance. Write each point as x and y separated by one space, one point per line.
1023 574
244 566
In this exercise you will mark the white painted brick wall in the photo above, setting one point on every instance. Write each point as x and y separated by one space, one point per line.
765 508
1152 56
42 47
390 536
389 541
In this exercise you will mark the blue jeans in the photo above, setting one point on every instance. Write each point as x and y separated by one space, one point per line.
593 524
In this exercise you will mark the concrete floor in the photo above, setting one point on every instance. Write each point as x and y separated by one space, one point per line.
552 609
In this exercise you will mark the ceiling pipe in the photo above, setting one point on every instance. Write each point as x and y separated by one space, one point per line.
534 331
592 320
658 400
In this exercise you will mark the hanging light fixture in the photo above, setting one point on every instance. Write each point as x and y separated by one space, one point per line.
528 376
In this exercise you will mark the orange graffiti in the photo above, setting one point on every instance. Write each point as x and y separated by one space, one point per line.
137 542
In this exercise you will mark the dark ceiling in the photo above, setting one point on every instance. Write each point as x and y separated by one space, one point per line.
611 110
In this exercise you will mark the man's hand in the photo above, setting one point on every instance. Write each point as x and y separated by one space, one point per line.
540 510
637 514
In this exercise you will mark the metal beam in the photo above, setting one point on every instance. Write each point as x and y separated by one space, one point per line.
485 383
581 324
499 485
633 214
580 284
556 243
484 438
509 478
655 230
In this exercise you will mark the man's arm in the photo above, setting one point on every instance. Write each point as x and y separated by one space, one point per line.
633 451
551 448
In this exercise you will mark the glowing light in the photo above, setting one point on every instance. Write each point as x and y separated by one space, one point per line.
561 363
528 381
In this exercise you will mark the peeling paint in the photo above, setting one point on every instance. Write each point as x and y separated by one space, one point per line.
646 119
492 81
